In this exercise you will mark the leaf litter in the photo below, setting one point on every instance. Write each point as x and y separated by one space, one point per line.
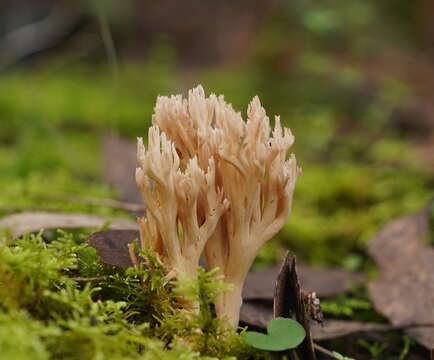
324 281
257 310
404 290
258 315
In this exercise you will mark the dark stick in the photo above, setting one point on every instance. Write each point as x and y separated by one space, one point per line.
289 303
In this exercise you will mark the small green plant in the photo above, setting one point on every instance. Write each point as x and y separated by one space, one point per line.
375 349
340 356
406 348
345 306
283 334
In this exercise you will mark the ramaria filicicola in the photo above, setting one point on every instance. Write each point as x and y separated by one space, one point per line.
214 183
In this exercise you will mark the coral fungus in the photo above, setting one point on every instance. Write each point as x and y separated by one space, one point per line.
214 183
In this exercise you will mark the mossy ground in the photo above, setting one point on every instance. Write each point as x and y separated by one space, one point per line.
50 144
51 121
46 314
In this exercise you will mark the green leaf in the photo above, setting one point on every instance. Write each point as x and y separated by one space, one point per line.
283 334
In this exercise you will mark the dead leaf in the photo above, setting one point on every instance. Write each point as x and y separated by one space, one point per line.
120 166
404 291
111 246
323 281
19 224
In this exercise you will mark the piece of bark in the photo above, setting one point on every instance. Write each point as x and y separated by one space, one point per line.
404 290
323 281
112 246
120 167
289 302
18 224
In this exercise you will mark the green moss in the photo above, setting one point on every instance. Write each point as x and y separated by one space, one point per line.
129 314
346 192
340 207
353 182
20 336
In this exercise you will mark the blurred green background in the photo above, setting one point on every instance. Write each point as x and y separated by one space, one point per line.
354 80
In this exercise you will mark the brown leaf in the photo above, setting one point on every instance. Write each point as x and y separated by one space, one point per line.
19 224
120 166
404 291
323 281
112 246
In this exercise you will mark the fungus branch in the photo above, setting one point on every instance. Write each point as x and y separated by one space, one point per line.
176 229
259 182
